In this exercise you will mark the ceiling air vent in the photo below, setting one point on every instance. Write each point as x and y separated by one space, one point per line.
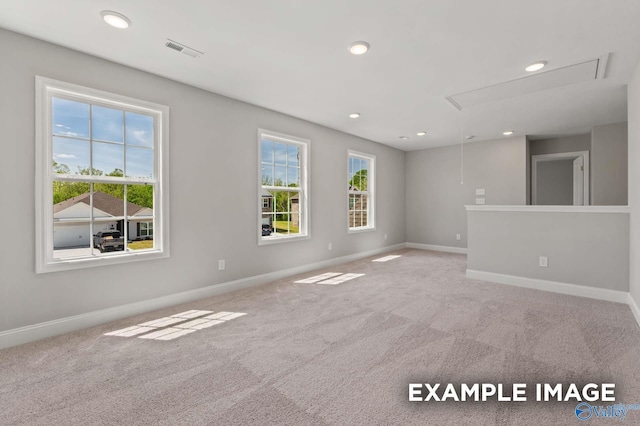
171 44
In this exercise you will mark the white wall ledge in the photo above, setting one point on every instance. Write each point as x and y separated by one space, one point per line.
549 209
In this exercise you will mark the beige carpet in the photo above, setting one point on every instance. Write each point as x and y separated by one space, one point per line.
310 354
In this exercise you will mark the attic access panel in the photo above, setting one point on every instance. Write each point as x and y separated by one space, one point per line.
566 76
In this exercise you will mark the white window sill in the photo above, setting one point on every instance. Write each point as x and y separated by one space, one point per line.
111 259
262 241
361 229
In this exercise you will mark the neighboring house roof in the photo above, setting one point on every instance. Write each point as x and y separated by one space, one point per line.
266 194
101 201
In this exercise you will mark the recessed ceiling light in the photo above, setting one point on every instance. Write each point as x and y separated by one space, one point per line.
536 66
421 133
358 47
354 115
115 19
508 132
471 137
404 138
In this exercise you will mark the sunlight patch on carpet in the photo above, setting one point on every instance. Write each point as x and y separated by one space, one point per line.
191 314
169 328
130 331
318 278
341 279
330 278
387 258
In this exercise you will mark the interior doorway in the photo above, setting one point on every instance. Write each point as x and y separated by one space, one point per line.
560 179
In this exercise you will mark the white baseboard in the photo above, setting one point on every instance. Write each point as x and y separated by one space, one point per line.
447 249
634 308
30 333
552 286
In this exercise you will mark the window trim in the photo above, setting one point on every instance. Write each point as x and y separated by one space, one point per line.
371 192
47 88
304 201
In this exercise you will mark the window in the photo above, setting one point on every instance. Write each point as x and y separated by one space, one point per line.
283 171
361 191
146 229
100 178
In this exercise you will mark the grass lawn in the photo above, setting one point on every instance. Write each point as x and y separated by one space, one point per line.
281 227
140 245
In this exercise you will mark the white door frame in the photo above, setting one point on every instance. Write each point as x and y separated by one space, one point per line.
535 159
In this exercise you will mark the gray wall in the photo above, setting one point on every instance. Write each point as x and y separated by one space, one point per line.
554 183
212 138
609 165
589 249
634 183
436 198
571 143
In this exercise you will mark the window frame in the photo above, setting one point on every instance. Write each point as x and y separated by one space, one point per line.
303 190
46 89
370 192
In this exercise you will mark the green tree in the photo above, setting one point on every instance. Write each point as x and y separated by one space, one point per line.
359 180
141 195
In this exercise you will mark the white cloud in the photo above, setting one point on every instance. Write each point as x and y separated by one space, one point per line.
64 156
140 136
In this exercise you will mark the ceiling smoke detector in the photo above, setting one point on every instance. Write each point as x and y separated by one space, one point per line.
179 47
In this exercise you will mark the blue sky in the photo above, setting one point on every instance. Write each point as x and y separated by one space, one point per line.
112 145
280 161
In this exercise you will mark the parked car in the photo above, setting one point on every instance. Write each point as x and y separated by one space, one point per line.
266 229
108 241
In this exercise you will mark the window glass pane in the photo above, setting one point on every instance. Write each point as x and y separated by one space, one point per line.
267 174
142 197
280 153
71 220
70 156
293 178
267 151
359 179
108 218
140 219
107 124
280 176
285 218
139 162
364 210
108 159
293 155
70 118
139 129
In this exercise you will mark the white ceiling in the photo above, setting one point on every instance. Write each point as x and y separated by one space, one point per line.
291 56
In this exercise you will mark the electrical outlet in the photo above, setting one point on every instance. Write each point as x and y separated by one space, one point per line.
221 265
479 200
330 247
544 262
458 237
480 191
